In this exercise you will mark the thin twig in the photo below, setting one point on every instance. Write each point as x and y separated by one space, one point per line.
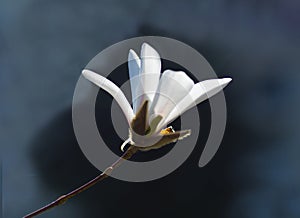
62 199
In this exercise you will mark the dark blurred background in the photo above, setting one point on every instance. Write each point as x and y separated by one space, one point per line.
44 45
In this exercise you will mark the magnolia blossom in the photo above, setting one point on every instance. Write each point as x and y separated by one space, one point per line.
158 98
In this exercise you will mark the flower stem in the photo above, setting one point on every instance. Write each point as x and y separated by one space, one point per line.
62 199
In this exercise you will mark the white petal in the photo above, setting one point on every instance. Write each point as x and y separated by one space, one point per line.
134 65
173 87
200 92
150 72
112 89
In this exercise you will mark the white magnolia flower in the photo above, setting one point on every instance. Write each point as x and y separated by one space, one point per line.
157 98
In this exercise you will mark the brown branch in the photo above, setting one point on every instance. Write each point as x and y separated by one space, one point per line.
62 199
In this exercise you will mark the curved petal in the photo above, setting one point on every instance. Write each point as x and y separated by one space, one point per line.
200 92
125 143
149 74
172 88
112 89
134 65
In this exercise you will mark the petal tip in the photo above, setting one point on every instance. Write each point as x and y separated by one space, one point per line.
86 73
226 81
148 51
132 55
145 45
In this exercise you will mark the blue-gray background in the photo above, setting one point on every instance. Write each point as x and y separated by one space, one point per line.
45 44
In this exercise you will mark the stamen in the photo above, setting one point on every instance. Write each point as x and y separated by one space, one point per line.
167 130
